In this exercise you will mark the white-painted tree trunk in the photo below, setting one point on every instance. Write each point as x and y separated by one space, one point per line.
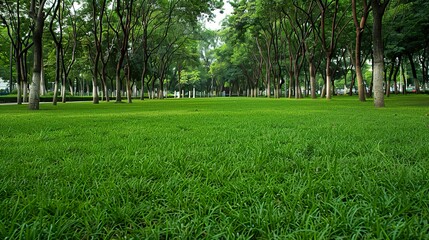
34 99
25 92
42 81
19 93
55 100
312 80
95 98
328 78
378 52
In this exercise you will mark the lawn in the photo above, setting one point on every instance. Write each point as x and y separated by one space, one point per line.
219 168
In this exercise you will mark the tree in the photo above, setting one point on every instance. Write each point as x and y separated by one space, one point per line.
407 34
329 39
124 11
149 13
378 9
16 24
71 44
360 27
300 24
37 13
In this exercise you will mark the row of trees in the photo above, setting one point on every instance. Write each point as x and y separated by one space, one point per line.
294 43
123 47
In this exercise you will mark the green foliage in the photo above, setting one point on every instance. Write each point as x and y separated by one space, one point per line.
216 168
4 53
190 78
407 27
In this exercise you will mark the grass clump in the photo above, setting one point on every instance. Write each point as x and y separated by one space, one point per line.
216 168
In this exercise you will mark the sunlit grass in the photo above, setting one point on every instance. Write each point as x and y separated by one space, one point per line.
216 168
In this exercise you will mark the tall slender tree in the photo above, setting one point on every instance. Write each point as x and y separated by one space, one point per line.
97 30
124 10
378 10
360 27
37 13
329 39
58 40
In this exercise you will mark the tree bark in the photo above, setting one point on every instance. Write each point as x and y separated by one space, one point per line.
63 89
127 71
414 71
18 77
13 28
57 75
328 78
125 27
378 52
25 91
11 68
145 57
312 79
395 75
39 21
389 79
42 79
423 61
359 32
329 47
58 50
98 36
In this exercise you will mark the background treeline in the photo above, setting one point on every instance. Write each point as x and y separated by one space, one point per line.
106 48
144 48
296 47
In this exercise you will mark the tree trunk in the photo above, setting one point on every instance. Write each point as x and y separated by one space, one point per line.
378 52
143 76
423 61
19 93
145 60
298 92
18 78
37 53
25 91
128 78
55 96
42 79
389 79
323 92
268 78
10 68
358 67
95 98
104 82
71 88
57 75
126 28
395 75
328 78
129 91
312 79
359 31
118 81
63 89
35 86
414 71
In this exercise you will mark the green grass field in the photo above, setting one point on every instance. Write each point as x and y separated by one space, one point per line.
224 168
